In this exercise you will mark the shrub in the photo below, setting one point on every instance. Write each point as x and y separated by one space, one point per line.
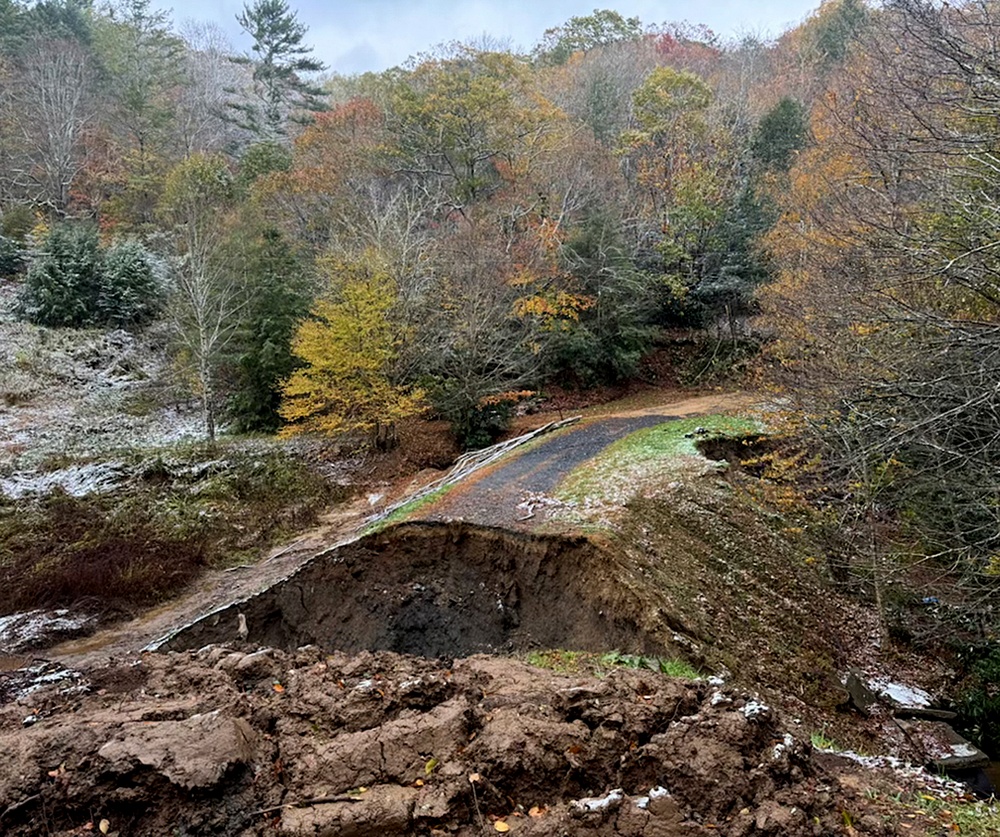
63 283
75 283
130 292
11 257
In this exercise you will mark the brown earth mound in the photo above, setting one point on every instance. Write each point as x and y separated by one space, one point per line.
224 742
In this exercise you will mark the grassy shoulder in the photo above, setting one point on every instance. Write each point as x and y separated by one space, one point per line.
180 511
609 481
590 662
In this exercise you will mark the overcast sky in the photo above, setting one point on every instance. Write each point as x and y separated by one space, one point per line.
356 35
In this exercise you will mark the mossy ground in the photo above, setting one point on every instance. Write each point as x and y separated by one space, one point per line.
643 458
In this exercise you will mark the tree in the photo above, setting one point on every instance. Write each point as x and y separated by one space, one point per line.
208 297
474 348
75 282
200 116
279 93
348 347
143 67
131 288
278 295
54 97
580 34
64 282
781 132
467 123
887 307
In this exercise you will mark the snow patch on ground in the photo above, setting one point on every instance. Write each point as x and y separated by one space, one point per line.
901 693
593 805
76 480
754 709
933 781
28 629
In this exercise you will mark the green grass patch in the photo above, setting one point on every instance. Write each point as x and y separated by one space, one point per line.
953 816
405 511
821 742
574 662
614 473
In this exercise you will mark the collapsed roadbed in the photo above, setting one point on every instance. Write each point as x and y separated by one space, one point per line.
445 589
229 741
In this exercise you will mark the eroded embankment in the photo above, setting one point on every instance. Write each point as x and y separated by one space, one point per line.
226 742
443 590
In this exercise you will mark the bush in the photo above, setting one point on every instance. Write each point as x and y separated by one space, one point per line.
979 702
11 257
474 423
63 283
130 293
75 283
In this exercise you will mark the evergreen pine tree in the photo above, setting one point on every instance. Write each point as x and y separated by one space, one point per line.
279 58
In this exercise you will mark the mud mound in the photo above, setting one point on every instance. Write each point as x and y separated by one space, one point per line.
231 743
445 590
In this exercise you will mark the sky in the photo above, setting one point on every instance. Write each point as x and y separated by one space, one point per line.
353 36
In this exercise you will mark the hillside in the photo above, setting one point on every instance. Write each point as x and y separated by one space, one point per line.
596 435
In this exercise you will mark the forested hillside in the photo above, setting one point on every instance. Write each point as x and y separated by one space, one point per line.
330 253
459 230
247 300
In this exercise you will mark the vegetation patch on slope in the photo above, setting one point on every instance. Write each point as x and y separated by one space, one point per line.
614 476
177 513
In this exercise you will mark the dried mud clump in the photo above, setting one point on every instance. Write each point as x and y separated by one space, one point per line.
224 742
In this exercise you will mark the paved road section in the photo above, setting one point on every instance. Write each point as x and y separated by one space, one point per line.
491 498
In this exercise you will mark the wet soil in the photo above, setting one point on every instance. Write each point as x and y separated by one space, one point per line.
443 590
246 741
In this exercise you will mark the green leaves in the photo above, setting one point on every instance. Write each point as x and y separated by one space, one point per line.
76 283
278 60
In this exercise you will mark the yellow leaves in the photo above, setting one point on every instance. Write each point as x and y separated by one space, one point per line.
550 307
348 346
501 826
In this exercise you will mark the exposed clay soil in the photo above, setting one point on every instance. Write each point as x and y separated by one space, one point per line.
446 590
225 742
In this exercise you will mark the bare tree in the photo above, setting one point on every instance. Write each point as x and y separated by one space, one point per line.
211 80
52 93
208 296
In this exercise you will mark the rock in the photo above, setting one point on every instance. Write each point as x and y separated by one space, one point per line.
902 694
194 753
33 629
862 698
924 713
943 748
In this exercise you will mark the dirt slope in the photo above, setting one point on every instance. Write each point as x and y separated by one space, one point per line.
226 742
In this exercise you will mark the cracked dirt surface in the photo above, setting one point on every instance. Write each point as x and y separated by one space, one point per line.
241 741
